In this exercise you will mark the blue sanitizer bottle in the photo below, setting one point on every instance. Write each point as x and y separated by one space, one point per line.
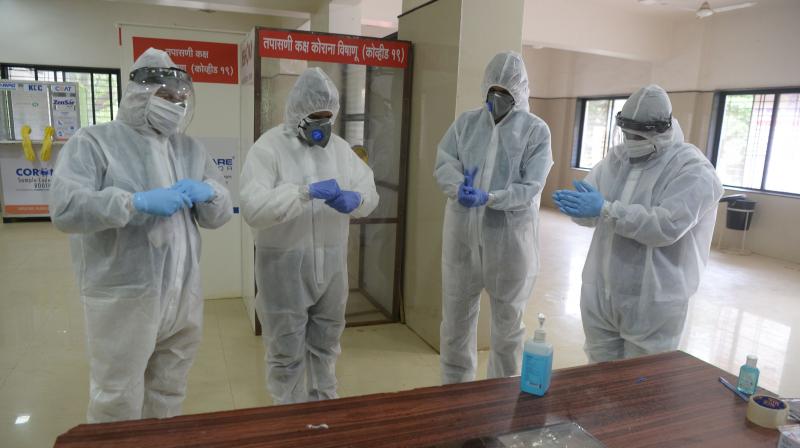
537 362
748 376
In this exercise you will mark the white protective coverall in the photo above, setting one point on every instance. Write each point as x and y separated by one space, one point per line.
495 246
138 274
301 243
651 241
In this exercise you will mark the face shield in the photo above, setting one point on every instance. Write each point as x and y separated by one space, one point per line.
643 128
170 84
637 139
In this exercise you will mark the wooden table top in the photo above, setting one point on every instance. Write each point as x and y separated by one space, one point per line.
669 400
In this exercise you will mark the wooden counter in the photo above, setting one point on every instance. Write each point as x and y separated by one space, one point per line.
669 400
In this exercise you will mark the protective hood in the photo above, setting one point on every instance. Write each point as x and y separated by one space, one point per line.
135 97
313 92
507 70
650 104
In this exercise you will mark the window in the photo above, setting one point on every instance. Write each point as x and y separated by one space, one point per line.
597 128
99 88
758 140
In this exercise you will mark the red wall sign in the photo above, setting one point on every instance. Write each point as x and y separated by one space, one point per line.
205 61
330 48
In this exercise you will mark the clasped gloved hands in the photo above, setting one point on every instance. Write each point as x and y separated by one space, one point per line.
584 202
167 201
468 195
324 189
161 201
343 201
197 191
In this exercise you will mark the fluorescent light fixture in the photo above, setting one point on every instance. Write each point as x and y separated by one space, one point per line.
22 419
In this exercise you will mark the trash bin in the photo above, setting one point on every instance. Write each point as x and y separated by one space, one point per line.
740 214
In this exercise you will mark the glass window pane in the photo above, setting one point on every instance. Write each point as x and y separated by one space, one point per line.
354 91
85 92
785 154
21 74
102 98
354 132
743 139
45 75
594 132
114 95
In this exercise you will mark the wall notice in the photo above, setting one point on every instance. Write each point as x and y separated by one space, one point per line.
29 107
332 48
209 62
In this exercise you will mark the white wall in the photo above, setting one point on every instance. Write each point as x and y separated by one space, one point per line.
748 48
559 73
83 33
596 27
754 47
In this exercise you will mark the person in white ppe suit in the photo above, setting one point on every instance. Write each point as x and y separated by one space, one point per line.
132 193
653 203
492 164
301 184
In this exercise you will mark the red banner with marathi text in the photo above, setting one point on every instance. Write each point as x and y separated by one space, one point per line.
211 62
332 48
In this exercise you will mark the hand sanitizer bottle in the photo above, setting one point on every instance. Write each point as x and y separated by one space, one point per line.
537 362
748 376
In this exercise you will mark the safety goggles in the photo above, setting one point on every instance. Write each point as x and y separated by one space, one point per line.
173 80
643 126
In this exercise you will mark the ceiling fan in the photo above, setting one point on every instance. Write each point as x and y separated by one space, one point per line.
705 9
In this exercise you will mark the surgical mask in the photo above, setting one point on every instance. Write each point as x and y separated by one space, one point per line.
316 131
499 104
638 149
164 116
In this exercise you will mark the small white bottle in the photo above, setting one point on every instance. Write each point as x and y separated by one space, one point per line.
537 362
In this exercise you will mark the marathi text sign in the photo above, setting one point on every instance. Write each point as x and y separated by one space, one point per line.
331 48
210 62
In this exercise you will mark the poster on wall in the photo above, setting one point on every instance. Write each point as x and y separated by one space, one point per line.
26 184
30 107
224 153
209 62
64 107
331 48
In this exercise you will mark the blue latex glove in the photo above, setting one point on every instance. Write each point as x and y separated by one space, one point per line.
468 195
585 202
161 201
346 202
324 189
197 191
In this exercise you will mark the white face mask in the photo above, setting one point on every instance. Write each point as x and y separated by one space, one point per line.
638 148
164 116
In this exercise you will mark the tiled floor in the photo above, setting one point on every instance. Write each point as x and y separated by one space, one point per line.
747 304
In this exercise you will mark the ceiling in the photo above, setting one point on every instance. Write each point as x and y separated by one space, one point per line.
670 8
375 13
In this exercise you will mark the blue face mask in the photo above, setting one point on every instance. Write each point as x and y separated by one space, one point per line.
499 104
315 132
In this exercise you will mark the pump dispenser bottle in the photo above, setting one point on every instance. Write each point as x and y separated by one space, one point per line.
537 362
748 376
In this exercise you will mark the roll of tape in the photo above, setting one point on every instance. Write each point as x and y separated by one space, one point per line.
769 412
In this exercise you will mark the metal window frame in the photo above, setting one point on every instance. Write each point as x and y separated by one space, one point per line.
4 66
718 118
580 117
